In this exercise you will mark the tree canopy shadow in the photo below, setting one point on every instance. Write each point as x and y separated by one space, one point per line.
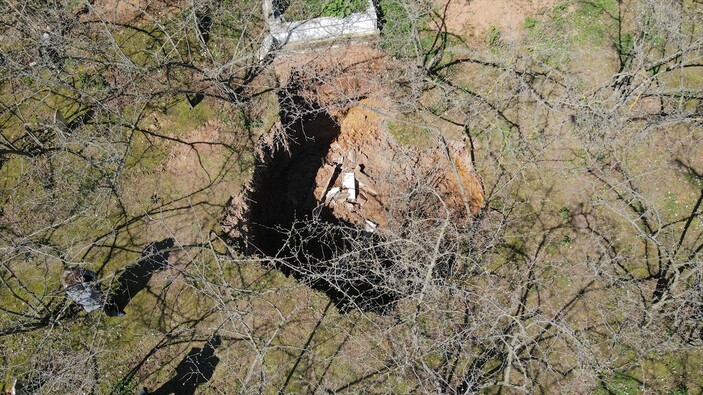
193 370
137 275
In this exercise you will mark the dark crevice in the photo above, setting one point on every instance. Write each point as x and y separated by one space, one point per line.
286 222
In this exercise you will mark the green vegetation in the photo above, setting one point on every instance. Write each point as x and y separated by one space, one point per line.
306 9
410 133
558 32
185 118
493 36
397 27
594 21
619 384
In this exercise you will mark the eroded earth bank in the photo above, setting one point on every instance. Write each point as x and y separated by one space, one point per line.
332 189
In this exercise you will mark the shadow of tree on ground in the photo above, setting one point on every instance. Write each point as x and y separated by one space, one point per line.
195 369
137 275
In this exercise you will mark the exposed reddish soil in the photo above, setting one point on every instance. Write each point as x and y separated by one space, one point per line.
389 177
332 161
196 155
331 77
326 135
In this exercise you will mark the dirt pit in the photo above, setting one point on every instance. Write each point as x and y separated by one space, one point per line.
331 185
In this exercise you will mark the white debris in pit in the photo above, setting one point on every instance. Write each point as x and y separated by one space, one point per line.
349 185
331 194
334 171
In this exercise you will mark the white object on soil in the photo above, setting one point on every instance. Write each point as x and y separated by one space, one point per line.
331 194
349 183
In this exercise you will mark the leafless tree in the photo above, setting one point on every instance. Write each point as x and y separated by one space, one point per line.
581 269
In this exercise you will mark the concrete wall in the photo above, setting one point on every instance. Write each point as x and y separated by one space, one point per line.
298 34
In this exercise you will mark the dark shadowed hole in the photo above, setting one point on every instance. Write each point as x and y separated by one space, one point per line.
307 241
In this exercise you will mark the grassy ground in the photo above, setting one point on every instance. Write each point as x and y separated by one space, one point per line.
547 172
305 9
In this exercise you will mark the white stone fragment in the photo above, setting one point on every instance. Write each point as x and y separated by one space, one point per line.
331 194
349 184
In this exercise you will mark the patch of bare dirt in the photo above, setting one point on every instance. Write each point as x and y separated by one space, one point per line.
334 76
474 19
125 11
645 106
198 155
